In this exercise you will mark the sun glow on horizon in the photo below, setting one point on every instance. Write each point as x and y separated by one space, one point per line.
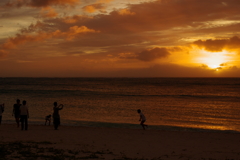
214 60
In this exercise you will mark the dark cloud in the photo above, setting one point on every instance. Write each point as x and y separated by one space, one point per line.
218 45
146 55
211 45
223 64
38 26
153 54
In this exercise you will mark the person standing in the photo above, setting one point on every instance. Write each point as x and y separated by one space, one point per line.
16 111
56 116
1 111
24 115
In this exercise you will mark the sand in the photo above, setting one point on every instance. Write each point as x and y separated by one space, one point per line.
72 142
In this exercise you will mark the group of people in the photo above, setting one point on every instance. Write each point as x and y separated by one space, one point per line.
20 111
21 114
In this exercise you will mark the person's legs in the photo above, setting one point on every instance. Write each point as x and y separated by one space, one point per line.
22 122
143 125
26 122
58 122
55 122
17 120
0 119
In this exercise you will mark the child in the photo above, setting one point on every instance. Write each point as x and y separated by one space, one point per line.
48 119
142 119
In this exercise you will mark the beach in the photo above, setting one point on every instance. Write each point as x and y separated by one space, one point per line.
73 142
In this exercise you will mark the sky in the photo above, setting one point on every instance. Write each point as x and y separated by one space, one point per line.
120 38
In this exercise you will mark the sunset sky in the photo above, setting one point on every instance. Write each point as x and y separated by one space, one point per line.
120 38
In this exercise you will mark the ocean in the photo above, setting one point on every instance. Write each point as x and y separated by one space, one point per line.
199 104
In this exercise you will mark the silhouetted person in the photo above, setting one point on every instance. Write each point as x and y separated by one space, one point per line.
56 116
142 119
48 119
1 111
16 111
24 115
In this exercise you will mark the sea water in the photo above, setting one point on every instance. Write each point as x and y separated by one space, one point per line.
167 103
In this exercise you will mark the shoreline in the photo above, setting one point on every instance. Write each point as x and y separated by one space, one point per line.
122 143
90 124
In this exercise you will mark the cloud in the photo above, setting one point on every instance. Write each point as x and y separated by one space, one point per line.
99 5
125 12
188 15
152 54
142 20
48 12
75 31
218 45
3 53
76 18
36 27
147 55
104 1
211 45
94 8
124 33
72 33
41 3
40 8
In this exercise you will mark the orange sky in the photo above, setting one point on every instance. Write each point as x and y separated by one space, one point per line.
119 38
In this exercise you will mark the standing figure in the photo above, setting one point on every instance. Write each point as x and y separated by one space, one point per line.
24 115
56 116
142 119
1 111
48 119
16 111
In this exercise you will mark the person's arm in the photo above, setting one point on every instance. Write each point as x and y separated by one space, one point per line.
60 106
140 117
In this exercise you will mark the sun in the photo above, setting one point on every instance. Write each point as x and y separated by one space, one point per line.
213 60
